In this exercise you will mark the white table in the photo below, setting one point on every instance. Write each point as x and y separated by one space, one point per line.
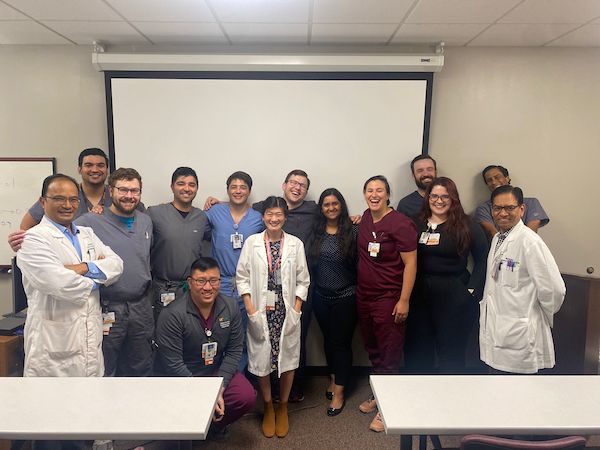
107 408
487 404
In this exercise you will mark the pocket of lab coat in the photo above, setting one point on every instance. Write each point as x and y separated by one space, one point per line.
62 346
512 334
255 326
509 278
294 320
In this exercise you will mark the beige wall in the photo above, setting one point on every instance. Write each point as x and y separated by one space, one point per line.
534 110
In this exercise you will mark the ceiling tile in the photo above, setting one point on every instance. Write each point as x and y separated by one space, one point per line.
182 32
8 13
460 11
28 32
521 35
261 11
553 11
85 33
65 9
587 36
352 33
450 34
360 11
264 33
163 10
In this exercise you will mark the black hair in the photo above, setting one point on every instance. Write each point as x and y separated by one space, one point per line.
203 264
91 152
299 173
383 180
275 202
183 172
517 193
48 181
419 158
346 238
239 175
502 170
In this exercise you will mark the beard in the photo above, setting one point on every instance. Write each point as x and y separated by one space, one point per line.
126 209
423 185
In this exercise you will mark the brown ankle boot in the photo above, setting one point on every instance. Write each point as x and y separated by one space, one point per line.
268 424
281 420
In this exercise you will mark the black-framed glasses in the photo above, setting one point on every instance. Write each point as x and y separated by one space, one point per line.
436 197
200 282
59 199
508 208
124 191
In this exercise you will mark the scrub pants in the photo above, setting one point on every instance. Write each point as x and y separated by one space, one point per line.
128 347
159 287
442 315
337 320
239 398
384 339
229 289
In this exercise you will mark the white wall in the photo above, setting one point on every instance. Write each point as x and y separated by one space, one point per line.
51 104
535 111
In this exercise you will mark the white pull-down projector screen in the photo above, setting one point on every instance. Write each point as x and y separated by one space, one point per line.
341 128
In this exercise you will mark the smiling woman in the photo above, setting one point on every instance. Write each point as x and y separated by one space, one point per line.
273 260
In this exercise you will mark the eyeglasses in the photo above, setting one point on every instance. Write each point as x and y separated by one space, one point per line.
125 191
509 208
436 197
295 183
200 282
59 199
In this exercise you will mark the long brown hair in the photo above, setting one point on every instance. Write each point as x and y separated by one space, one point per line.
458 223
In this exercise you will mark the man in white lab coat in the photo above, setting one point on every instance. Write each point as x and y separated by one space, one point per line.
523 291
63 266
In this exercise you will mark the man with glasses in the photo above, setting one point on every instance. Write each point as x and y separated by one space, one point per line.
179 230
202 335
494 176
63 265
523 291
127 304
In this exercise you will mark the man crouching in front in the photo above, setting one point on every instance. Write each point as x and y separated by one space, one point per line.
201 334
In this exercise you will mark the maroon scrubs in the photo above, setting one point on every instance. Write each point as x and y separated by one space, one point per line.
380 284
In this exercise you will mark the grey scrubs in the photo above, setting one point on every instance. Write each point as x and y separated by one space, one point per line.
128 346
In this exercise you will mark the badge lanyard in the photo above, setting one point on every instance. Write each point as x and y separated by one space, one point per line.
209 349
273 267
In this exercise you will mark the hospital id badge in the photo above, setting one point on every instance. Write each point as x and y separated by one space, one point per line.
373 249
271 296
424 237
107 322
166 298
209 351
433 239
237 240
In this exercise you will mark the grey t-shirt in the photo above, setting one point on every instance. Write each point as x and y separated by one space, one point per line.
132 245
533 211
177 241
411 204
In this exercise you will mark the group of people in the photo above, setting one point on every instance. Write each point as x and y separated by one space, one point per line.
116 289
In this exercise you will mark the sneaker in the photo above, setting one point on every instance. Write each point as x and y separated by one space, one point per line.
377 424
368 406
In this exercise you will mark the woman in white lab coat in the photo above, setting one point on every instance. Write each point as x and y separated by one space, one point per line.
272 278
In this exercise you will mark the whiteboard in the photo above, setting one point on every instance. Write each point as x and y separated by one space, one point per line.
341 131
20 183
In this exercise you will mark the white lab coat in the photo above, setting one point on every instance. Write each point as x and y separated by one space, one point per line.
63 330
251 278
518 305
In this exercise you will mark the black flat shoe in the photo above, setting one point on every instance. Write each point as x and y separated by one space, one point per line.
329 395
332 412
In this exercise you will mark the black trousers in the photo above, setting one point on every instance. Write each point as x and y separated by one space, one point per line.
337 320
441 316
